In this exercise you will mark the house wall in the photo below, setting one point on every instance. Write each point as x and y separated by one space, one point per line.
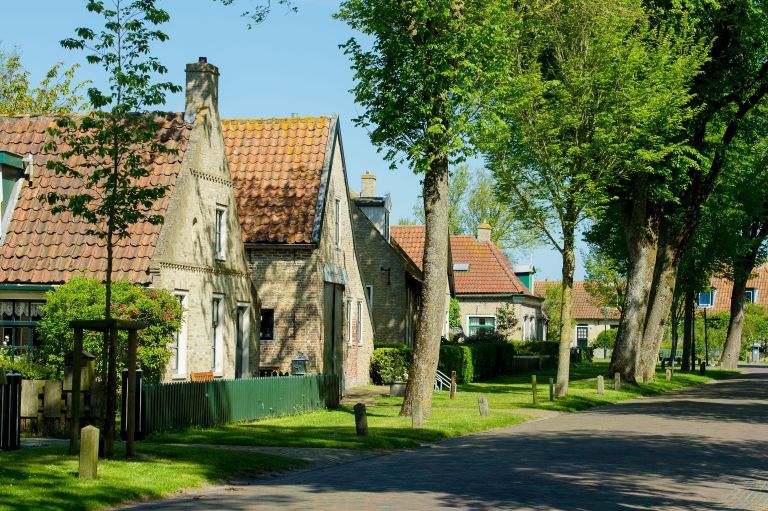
185 262
487 306
290 281
390 289
594 327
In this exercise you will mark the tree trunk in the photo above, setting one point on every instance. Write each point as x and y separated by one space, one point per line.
687 331
642 245
111 338
426 348
730 357
566 316
675 315
660 303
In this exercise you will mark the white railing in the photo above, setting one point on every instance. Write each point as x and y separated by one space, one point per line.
442 381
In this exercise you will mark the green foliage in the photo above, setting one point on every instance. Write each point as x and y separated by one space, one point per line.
57 93
485 358
83 298
454 313
605 339
259 10
26 365
552 309
506 321
606 280
457 358
390 365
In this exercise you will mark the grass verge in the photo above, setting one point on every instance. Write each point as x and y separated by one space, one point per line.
45 478
506 396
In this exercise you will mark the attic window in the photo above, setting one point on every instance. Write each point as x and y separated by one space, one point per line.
461 267
12 168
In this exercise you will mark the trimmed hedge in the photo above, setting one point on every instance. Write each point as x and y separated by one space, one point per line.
457 358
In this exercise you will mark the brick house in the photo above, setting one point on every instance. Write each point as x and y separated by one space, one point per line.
483 281
589 317
294 208
392 280
196 254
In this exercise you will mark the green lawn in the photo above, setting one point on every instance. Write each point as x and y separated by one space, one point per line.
44 479
506 396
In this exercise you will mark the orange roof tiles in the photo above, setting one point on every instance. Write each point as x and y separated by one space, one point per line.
724 289
584 304
277 168
41 247
490 271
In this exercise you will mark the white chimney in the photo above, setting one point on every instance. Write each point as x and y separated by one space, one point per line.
202 90
483 232
369 185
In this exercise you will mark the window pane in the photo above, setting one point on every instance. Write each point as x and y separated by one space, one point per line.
267 324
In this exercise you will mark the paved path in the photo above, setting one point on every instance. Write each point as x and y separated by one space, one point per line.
703 448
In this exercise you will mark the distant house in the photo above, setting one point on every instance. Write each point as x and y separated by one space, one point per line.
589 317
196 254
718 297
392 280
290 182
485 281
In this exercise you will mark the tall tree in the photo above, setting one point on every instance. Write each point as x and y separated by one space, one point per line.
458 184
57 92
115 144
592 79
662 210
420 70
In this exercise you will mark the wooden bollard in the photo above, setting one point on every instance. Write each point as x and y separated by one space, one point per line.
361 420
703 368
617 381
89 452
668 374
533 389
551 389
600 386
416 414
453 384
482 403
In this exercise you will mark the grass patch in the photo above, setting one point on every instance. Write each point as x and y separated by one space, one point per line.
506 396
45 478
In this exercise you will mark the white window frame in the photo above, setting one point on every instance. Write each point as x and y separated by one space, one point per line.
337 214
359 322
245 368
217 332
753 292
220 232
469 332
350 337
713 297
585 327
180 371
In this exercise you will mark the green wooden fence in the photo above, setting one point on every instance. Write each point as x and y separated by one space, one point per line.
204 404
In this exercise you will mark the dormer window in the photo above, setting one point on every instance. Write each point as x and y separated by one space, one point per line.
750 295
12 168
220 233
461 267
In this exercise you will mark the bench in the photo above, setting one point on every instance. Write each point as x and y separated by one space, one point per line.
206 376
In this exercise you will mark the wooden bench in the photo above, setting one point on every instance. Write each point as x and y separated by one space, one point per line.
206 376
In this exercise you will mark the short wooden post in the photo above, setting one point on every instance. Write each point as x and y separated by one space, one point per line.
533 389
416 414
551 389
482 403
130 404
600 385
702 368
617 381
361 420
453 384
89 452
77 362
668 374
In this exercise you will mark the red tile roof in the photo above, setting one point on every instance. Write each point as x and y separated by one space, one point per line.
490 271
724 289
277 168
41 247
585 306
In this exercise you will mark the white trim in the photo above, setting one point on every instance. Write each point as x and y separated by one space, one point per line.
349 322
359 322
218 341
469 333
753 290
181 353
245 363
337 221
709 305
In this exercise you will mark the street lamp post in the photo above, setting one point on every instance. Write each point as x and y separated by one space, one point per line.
604 310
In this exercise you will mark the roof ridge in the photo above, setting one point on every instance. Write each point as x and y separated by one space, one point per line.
506 266
275 119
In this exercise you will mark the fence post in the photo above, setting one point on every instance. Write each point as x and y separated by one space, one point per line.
533 389
551 389
131 401
482 403
417 415
617 381
453 384
600 385
89 453
361 421
77 362
10 413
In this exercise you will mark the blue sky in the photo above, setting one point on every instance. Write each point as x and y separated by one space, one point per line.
290 64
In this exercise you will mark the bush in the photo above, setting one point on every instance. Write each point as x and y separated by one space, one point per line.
485 358
390 364
26 366
457 358
605 339
486 336
83 298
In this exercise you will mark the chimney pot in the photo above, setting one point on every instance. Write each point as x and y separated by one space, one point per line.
484 232
202 60
368 188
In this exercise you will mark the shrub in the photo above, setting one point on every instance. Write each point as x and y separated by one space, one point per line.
484 361
390 364
454 314
486 336
26 366
83 298
605 339
457 358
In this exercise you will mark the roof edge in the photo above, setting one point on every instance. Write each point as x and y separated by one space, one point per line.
322 192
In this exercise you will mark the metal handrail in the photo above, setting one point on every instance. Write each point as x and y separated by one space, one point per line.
442 381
